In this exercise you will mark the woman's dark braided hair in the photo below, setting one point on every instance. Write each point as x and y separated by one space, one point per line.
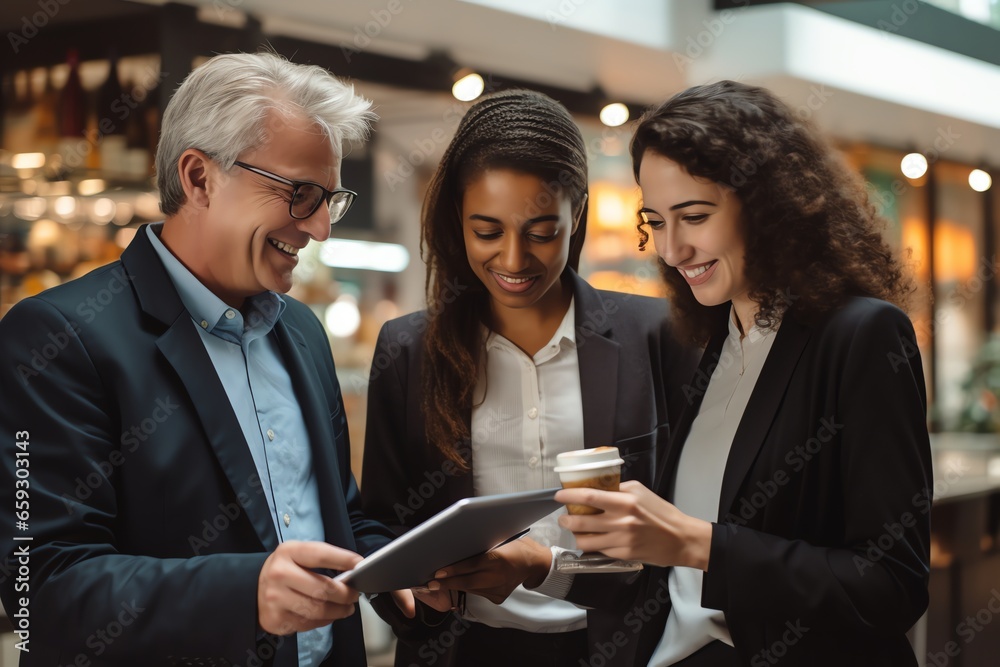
813 237
521 130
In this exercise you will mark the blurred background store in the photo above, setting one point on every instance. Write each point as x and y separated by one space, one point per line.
909 90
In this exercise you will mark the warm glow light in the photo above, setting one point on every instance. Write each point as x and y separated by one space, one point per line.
468 88
124 237
954 252
348 254
614 114
343 317
913 165
147 205
626 282
30 209
103 212
65 206
610 207
979 180
123 213
28 161
44 233
91 186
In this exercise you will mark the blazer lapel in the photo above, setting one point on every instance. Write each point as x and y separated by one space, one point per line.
695 391
308 391
763 406
181 344
598 360
184 350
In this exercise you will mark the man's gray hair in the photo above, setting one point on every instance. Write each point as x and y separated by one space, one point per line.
222 108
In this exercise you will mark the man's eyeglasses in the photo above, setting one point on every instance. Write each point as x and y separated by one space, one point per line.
307 196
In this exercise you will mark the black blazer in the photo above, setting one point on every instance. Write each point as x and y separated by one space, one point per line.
631 369
821 549
146 506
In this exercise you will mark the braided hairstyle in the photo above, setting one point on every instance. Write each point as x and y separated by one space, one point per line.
813 237
521 130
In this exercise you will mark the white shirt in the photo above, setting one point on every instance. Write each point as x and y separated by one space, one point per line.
699 485
532 410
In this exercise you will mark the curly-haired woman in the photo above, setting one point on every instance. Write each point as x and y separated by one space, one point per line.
515 360
804 442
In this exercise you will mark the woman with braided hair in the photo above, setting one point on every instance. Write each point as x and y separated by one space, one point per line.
515 359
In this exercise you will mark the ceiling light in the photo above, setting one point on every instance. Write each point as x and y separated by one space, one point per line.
913 165
614 114
979 180
468 86
368 255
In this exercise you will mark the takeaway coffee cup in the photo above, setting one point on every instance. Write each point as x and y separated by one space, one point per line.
597 468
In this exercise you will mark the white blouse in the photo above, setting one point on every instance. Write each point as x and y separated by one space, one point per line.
531 411
698 486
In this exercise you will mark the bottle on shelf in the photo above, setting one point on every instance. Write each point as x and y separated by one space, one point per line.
73 117
46 111
20 121
137 157
110 121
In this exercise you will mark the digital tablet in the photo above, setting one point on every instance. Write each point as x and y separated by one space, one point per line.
470 527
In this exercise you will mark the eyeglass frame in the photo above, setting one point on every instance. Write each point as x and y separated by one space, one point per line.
327 194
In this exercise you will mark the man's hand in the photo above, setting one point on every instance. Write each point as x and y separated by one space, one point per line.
636 524
495 574
293 598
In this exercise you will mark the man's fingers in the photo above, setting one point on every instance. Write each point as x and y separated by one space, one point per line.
286 573
322 588
320 555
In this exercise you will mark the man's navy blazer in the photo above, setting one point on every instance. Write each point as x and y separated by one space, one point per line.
148 518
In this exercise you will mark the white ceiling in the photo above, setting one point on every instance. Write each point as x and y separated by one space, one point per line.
576 44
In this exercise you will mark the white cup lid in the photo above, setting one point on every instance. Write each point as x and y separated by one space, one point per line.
589 465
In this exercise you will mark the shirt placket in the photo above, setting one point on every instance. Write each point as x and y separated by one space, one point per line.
269 436
531 428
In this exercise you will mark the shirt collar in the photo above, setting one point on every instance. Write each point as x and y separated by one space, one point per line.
209 311
566 332
755 335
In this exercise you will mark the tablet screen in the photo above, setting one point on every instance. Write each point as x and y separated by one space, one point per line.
469 527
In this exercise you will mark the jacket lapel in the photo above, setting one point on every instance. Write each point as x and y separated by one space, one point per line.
763 406
695 392
181 344
598 360
308 391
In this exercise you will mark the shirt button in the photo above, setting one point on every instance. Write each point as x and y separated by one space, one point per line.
532 413
270 434
533 462
204 324
288 520
230 314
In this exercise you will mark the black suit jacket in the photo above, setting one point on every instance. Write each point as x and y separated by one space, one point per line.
821 549
149 521
631 370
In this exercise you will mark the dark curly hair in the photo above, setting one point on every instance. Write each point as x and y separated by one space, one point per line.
812 236
520 130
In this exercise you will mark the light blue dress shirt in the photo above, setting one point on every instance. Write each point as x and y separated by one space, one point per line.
260 390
